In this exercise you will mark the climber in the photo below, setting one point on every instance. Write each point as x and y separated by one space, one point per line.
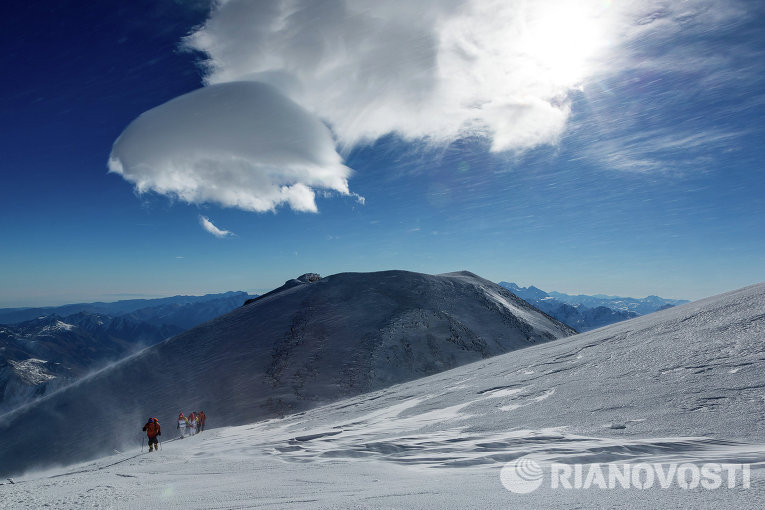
152 430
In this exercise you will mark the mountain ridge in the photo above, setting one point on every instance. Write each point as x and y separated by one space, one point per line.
585 313
120 307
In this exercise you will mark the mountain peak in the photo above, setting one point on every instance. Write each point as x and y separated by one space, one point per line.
294 282
309 277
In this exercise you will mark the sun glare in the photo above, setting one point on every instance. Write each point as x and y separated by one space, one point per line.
562 39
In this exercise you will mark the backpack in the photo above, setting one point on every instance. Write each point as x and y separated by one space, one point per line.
152 427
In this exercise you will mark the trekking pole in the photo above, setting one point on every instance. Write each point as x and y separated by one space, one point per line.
142 440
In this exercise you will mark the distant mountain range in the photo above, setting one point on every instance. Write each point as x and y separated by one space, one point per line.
641 306
310 342
584 313
54 346
182 311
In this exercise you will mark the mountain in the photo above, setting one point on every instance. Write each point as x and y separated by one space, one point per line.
187 314
529 293
584 313
582 318
641 306
182 311
681 387
312 342
47 352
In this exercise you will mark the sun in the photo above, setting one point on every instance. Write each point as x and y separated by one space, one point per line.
563 38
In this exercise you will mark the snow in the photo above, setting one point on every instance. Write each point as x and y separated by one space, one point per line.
530 317
32 371
55 327
658 388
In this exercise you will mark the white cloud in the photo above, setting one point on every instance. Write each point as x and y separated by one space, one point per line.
209 227
443 69
433 69
359 199
670 101
669 149
240 144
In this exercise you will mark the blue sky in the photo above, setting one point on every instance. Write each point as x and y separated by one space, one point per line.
583 147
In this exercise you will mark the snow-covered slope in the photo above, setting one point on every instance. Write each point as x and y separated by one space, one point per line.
681 385
308 343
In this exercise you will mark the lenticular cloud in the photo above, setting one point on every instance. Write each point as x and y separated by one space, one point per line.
237 144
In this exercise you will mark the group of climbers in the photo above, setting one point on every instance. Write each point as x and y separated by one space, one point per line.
194 424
